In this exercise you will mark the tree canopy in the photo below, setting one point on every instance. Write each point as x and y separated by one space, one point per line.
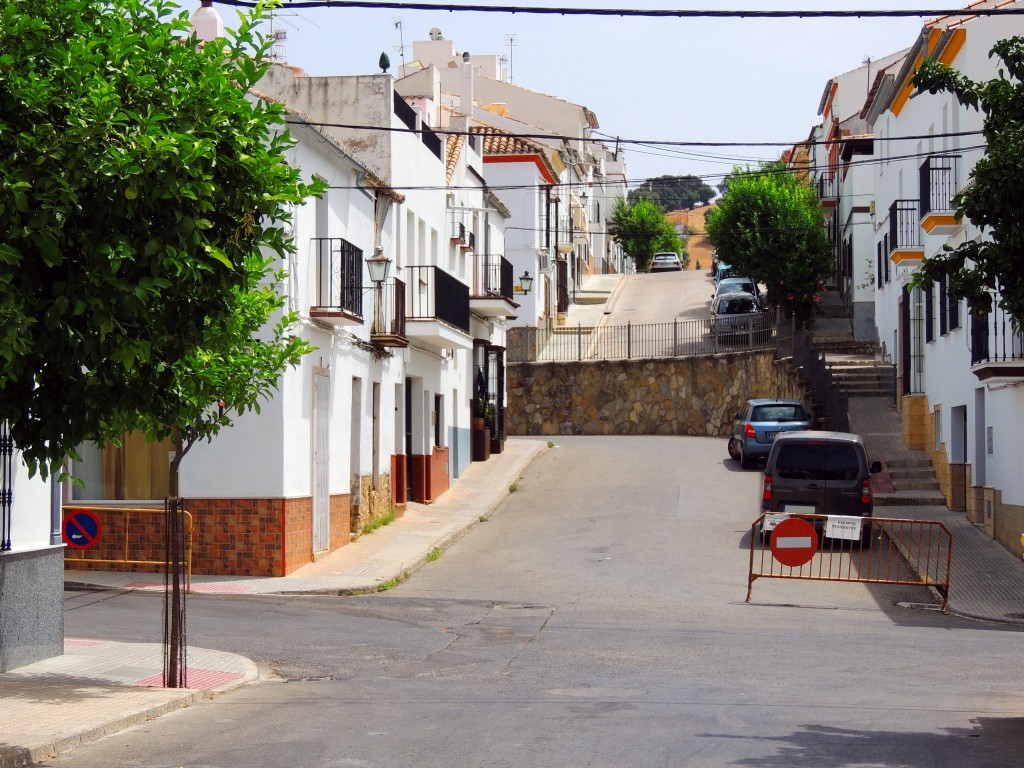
642 230
992 200
673 193
140 185
769 225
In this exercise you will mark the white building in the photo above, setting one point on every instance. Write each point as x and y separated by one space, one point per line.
960 376
563 227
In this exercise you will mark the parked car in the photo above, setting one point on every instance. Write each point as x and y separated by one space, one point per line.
662 262
739 285
722 270
759 423
737 317
817 473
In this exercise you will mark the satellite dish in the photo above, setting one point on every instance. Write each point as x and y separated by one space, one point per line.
435 33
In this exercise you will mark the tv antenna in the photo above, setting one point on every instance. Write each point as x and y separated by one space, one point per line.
510 41
401 42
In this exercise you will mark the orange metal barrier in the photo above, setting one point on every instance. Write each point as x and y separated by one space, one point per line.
126 560
913 552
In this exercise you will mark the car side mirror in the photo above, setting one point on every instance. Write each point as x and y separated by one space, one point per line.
875 468
736 417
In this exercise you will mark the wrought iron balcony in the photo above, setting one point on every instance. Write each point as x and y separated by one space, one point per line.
905 245
493 288
997 349
388 326
827 187
939 183
437 308
458 231
338 269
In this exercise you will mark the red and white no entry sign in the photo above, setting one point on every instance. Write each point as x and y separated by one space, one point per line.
794 542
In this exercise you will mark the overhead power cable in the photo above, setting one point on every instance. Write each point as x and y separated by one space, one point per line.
603 139
642 12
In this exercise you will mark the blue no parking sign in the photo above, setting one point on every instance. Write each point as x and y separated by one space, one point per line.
82 528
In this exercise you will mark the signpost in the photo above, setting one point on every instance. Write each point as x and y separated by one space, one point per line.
81 528
794 542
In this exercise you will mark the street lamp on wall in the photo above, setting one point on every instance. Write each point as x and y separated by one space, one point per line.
525 282
378 266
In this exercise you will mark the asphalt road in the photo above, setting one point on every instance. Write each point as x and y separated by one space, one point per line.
658 297
597 619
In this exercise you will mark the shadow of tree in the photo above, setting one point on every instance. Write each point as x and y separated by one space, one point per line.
993 742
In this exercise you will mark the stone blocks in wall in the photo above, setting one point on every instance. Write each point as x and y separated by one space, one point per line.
676 396
376 502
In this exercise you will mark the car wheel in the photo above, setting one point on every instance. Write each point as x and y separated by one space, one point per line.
766 538
734 452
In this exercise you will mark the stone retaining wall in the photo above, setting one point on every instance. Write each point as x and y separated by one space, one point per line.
677 396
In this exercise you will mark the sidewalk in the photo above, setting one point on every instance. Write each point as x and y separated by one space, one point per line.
97 688
986 580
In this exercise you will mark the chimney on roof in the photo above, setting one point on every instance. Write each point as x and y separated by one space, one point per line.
466 91
207 23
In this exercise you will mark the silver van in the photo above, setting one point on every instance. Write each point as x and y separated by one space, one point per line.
817 473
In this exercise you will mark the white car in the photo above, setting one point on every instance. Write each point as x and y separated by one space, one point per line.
665 261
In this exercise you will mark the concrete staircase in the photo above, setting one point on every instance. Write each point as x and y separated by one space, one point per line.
913 483
907 478
862 376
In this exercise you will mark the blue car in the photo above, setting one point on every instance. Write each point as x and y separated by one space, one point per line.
756 426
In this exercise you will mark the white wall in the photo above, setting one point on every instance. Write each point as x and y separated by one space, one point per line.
30 510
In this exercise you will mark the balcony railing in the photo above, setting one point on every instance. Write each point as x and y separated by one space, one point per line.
388 327
939 174
339 276
827 186
433 294
994 338
458 231
496 278
904 225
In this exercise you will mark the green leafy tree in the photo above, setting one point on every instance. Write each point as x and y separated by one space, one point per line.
139 186
673 193
769 225
642 230
992 201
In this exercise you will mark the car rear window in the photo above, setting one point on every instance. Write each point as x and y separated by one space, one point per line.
817 461
738 306
778 413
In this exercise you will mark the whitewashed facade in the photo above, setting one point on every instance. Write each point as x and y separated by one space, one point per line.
960 376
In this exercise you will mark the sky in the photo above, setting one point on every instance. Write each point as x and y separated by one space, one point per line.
708 80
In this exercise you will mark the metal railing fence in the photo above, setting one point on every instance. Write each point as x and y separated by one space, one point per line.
680 338
127 536
900 551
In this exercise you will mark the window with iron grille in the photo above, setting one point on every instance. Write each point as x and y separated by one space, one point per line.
929 313
943 313
954 312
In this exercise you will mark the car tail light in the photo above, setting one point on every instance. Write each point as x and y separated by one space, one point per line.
865 491
749 431
766 491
